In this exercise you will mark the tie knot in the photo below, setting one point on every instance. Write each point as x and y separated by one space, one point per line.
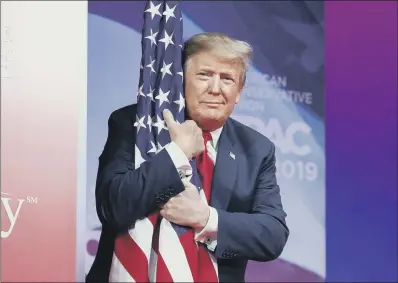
207 137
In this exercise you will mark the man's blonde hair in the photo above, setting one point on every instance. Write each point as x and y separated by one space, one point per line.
227 47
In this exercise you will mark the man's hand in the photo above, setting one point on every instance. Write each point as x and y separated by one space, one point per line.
187 208
188 136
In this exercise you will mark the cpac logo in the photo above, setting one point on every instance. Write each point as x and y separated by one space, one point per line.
13 207
284 139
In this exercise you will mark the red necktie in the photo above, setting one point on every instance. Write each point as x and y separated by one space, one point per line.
205 167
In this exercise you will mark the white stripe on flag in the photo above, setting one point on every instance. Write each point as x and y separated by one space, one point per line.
118 272
142 235
153 263
173 253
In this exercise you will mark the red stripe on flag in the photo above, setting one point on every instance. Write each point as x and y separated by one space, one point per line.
154 218
207 273
132 258
191 253
162 272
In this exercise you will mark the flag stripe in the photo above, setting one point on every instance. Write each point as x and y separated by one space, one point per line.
153 261
173 253
136 265
162 272
119 274
206 266
191 249
142 235
214 263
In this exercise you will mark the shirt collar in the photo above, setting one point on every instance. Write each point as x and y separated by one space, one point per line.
215 135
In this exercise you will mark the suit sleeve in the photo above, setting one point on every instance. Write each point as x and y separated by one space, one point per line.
262 234
125 194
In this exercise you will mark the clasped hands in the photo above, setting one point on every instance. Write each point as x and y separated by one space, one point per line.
187 208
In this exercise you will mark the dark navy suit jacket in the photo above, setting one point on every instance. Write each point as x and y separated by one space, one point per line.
251 219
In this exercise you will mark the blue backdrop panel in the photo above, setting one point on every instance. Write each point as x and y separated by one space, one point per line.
283 99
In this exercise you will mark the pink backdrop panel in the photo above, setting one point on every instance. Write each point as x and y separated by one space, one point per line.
43 83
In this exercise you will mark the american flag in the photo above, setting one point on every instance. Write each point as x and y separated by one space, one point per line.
156 250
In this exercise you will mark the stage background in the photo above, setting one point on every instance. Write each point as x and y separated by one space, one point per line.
43 104
283 99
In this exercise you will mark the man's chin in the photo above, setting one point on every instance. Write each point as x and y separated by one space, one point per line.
211 121
209 117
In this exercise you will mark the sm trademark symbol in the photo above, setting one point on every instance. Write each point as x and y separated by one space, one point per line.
32 200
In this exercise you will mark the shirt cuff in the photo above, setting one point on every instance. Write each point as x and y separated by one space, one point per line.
179 159
208 235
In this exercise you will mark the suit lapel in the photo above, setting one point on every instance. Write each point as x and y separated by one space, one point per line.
225 171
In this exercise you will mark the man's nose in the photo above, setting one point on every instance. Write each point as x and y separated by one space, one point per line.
215 87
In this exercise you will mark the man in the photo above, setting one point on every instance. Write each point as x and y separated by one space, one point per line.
244 219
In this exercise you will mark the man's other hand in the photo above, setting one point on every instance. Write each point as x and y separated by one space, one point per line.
188 136
187 208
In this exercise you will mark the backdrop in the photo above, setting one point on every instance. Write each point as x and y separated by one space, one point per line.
43 118
43 130
283 99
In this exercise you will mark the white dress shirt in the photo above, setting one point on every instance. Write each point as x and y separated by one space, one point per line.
208 235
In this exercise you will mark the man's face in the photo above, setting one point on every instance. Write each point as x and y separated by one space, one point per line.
212 88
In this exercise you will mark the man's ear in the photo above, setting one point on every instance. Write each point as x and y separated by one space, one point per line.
238 97
242 85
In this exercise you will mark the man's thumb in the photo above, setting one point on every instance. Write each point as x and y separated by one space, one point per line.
188 185
168 118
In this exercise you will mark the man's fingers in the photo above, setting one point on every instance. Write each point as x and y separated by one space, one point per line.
168 118
188 185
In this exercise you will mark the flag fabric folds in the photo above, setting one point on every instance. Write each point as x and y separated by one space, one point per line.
156 250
